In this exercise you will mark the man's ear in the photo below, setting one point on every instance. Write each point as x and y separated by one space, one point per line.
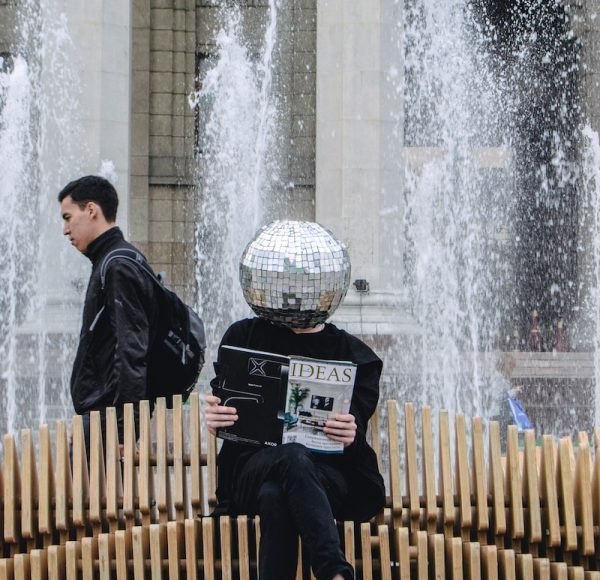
93 209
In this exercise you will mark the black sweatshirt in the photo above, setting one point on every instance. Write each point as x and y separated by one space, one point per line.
358 462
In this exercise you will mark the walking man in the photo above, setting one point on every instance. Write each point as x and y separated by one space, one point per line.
119 313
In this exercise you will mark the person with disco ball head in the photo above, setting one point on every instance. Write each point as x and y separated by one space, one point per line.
294 275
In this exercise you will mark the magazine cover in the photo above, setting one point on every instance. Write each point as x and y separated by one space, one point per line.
253 382
317 389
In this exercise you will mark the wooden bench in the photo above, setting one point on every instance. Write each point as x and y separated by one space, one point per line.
458 505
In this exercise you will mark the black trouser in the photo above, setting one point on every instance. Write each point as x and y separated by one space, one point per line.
293 495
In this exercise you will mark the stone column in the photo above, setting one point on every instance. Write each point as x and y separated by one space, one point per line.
359 175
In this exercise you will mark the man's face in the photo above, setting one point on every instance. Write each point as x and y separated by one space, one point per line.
79 224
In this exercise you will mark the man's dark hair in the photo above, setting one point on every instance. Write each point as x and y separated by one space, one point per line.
93 188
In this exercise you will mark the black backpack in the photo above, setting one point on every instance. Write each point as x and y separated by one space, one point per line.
176 355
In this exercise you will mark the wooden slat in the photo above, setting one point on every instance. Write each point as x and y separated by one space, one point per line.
549 491
180 494
349 551
525 566
385 561
576 573
211 458
375 438
496 481
394 463
38 561
22 567
567 497
403 552
531 487
365 544
583 497
412 467
175 544
226 551
541 569
595 490
243 547
191 531
130 480
57 563
114 481
163 479
81 483
489 562
208 550
106 555
158 550
7 568
446 490
472 560
513 484
479 477
97 474
437 557
64 482
46 489
507 564
140 539
145 474
89 555
428 464
123 553
72 557
422 557
197 493
12 491
454 561
463 478
29 487
559 571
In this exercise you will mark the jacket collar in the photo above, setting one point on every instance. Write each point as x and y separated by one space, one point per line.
100 246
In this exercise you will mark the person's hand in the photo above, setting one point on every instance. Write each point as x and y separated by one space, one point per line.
217 415
341 428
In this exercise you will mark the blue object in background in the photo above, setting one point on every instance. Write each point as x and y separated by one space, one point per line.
519 415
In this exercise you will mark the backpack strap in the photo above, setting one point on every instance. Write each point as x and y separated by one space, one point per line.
131 256
123 254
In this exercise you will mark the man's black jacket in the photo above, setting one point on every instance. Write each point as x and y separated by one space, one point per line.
111 361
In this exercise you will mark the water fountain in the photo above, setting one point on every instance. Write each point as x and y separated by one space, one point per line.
39 310
238 169
495 223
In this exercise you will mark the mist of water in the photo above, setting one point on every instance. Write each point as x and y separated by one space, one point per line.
455 210
38 136
238 163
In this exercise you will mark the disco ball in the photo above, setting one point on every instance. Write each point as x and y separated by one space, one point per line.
294 273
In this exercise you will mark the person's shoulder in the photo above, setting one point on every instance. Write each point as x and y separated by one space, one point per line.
124 264
361 353
237 334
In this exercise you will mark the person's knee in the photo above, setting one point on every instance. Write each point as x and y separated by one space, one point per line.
272 507
270 494
296 457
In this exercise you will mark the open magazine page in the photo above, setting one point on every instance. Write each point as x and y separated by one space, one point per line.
317 390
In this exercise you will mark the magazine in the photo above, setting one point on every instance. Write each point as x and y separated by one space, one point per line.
282 399
317 390
253 382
